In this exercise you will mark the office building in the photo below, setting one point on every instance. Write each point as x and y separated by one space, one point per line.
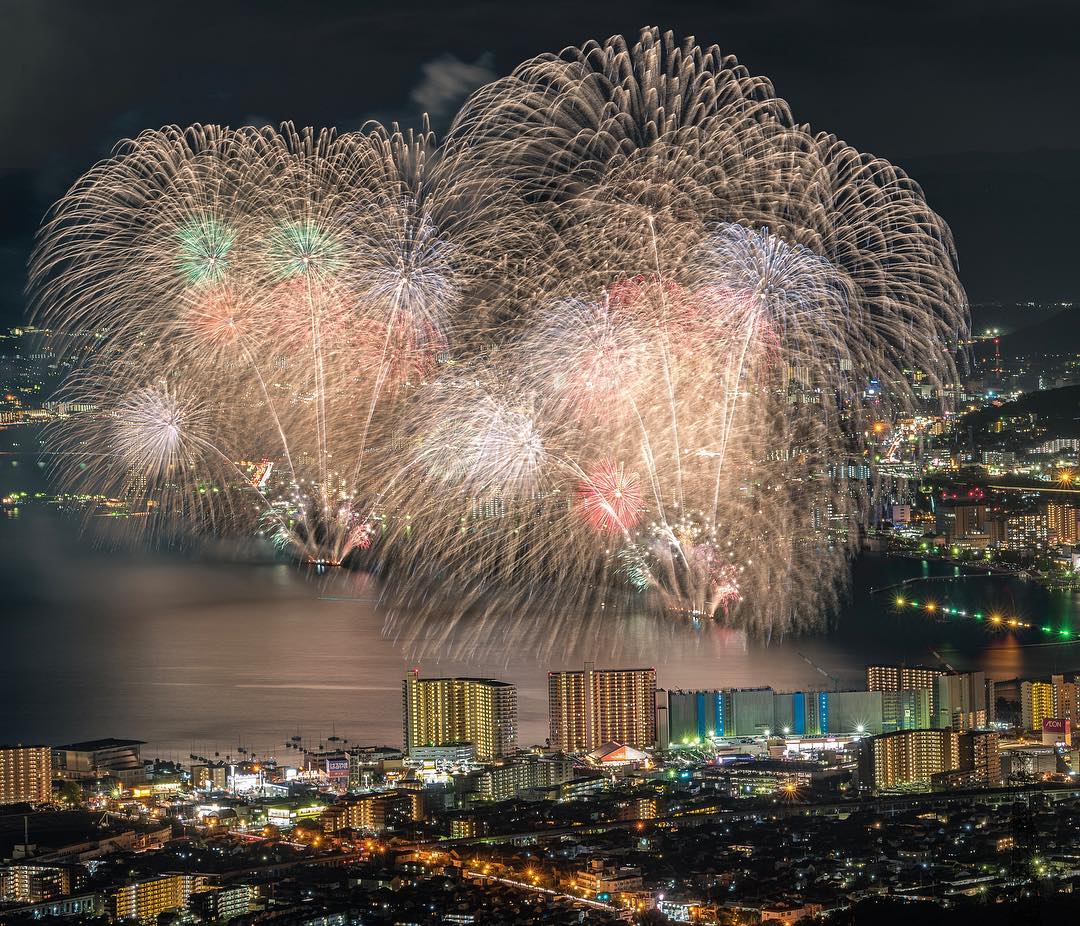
588 708
1036 704
102 758
25 774
441 711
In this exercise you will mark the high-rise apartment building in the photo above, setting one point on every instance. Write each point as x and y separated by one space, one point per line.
590 707
961 699
904 678
1026 530
980 757
146 900
1066 699
1036 704
908 758
905 710
901 678
25 774
961 521
1061 523
373 813
440 711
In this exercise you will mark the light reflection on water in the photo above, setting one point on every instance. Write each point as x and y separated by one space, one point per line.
202 656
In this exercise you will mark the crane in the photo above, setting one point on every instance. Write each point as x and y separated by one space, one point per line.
810 662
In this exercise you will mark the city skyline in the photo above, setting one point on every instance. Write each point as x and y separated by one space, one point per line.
539 464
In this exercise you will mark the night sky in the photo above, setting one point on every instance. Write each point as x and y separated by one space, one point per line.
971 97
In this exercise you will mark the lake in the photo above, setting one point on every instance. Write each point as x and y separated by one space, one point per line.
204 655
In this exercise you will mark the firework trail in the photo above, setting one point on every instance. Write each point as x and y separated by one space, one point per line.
600 352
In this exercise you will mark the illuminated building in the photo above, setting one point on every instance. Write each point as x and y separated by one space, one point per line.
961 521
100 758
1023 761
1026 530
374 813
209 776
588 708
1066 699
1036 704
25 774
600 877
908 758
961 701
904 678
30 883
901 678
368 761
147 900
441 711
762 776
695 716
1056 731
80 908
221 904
508 778
1061 523
905 710
980 757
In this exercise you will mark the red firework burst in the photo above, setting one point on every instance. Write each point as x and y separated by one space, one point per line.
610 497
219 317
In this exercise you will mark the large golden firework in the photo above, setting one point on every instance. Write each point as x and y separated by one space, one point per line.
604 348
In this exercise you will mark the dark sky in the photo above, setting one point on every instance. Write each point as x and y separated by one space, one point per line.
970 96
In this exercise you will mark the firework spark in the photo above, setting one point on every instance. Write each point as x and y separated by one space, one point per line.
604 349
611 498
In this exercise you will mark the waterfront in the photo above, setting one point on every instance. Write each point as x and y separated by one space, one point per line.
198 655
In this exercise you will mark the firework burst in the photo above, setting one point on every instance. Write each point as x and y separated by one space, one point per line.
610 498
605 348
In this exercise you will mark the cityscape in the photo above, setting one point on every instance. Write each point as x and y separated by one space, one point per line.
531 471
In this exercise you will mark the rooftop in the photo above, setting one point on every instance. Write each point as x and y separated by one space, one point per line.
97 745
